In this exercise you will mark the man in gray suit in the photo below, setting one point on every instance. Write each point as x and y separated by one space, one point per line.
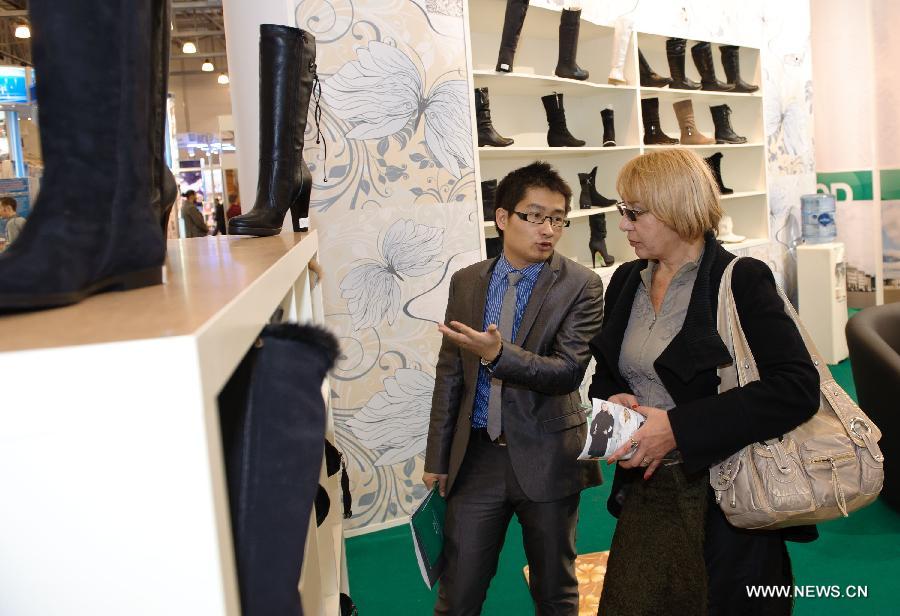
506 427
194 224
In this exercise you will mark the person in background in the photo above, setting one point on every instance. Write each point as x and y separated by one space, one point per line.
194 224
235 208
14 222
219 211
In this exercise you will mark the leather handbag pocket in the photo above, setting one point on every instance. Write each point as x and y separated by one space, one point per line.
564 422
872 478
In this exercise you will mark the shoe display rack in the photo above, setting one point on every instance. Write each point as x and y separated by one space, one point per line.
110 451
517 112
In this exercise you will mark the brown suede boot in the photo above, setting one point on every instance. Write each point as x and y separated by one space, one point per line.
684 111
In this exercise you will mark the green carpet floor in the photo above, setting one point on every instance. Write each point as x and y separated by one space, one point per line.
863 550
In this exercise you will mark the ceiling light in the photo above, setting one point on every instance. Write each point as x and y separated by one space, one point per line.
223 79
23 32
207 66
189 47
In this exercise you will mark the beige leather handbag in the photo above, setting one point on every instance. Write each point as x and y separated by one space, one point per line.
823 469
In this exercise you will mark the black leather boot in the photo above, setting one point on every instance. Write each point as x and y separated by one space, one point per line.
597 243
91 229
715 163
558 136
488 192
721 115
272 418
163 187
569 25
703 60
731 62
487 135
653 134
609 128
589 196
675 49
493 246
649 77
512 28
287 68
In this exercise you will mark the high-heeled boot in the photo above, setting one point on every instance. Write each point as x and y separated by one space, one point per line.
732 64
558 135
653 134
163 187
487 135
609 127
715 163
675 52
597 243
91 228
649 77
488 192
512 28
589 197
721 115
287 68
703 60
569 26
684 111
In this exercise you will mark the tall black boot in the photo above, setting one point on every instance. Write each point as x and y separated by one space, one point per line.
649 77
609 128
675 50
569 25
488 193
163 188
589 197
272 416
703 59
597 243
721 115
287 68
487 135
512 28
558 136
653 134
91 229
715 163
731 62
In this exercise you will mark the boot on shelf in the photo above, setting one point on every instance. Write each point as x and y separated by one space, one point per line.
92 228
287 66
512 28
589 196
488 193
731 62
569 25
653 134
597 243
721 115
163 187
493 246
609 128
715 163
675 51
621 37
558 136
487 135
649 77
703 60
684 111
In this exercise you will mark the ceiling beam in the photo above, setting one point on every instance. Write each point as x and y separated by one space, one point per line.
190 33
8 13
202 4
200 55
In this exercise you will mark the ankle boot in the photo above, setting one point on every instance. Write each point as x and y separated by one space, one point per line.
597 243
721 115
684 111
272 418
493 246
649 77
621 38
558 136
732 64
91 228
287 68
653 134
715 163
512 28
486 133
569 25
675 48
589 196
609 128
703 60
488 193
163 187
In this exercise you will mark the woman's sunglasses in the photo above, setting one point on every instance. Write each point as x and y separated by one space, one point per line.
632 214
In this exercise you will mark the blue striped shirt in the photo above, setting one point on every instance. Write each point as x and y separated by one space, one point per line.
496 290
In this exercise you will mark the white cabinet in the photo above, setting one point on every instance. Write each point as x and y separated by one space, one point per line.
822 296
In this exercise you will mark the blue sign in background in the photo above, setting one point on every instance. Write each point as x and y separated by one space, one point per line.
12 85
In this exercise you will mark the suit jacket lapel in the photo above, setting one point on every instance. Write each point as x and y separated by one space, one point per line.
545 280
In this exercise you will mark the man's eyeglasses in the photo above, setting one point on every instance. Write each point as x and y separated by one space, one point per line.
557 222
631 213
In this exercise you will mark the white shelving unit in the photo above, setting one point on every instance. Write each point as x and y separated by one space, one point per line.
517 112
110 453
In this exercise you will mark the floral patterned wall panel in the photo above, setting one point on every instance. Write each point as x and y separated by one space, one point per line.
394 206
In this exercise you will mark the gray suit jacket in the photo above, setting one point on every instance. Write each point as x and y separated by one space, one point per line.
541 371
194 225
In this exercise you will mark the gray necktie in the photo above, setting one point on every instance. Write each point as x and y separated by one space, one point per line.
507 316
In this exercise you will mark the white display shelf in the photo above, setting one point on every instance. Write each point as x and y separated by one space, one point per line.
742 194
747 243
529 84
531 152
606 273
711 146
697 95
